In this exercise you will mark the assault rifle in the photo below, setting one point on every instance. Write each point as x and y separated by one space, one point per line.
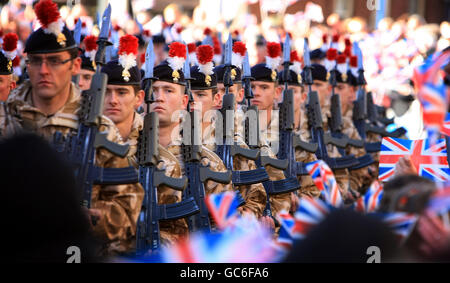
197 173
150 176
81 148
226 147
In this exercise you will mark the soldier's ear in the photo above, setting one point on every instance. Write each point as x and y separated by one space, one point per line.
240 95
76 67
140 99
185 99
278 92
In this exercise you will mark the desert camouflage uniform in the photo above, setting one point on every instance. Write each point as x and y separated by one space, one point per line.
254 195
342 175
170 230
370 138
119 204
269 141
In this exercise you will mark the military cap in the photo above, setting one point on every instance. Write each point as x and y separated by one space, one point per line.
124 71
220 72
8 53
53 35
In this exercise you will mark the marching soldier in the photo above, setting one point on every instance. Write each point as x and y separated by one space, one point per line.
7 83
88 66
49 102
266 93
323 88
295 84
170 102
123 97
204 91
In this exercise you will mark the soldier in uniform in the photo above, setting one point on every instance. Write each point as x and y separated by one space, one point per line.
49 102
204 91
88 66
323 88
345 89
266 93
170 103
308 188
7 55
7 83
122 99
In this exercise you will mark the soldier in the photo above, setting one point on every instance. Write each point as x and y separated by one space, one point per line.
204 91
295 84
236 88
49 102
266 93
7 83
122 99
7 55
88 66
170 101
346 90
323 88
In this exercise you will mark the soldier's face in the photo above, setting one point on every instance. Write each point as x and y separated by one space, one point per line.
298 95
204 100
85 79
265 94
323 90
235 89
121 102
169 100
347 95
6 85
51 73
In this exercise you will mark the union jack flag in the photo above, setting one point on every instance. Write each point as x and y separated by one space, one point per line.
401 223
440 201
433 99
446 127
309 213
432 90
286 236
223 208
429 160
371 200
325 181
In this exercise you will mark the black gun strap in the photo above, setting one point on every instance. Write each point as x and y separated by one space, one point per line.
364 161
249 177
184 208
114 176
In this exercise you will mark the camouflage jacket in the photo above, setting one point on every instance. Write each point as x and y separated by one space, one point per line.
171 230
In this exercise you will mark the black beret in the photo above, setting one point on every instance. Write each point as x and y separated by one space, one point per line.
220 72
40 42
114 71
261 73
199 82
86 63
350 79
5 65
159 38
319 72
293 78
317 54
164 73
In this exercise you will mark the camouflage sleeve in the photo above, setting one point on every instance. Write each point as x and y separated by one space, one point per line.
308 188
119 205
171 230
254 195
281 201
215 164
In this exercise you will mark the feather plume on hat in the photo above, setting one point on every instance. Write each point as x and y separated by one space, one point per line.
48 15
128 50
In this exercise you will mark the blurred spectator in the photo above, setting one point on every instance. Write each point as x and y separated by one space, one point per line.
44 216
